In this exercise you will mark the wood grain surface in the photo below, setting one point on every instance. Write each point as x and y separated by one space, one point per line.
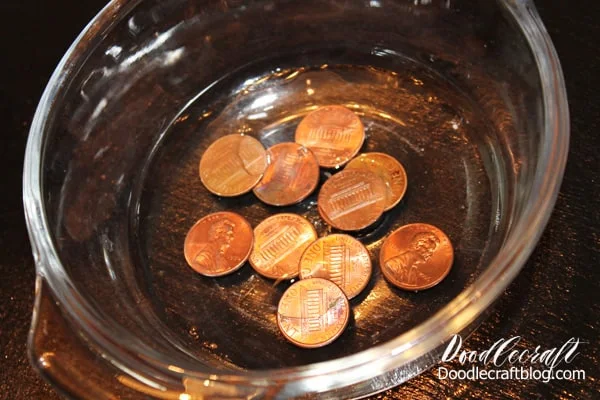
556 297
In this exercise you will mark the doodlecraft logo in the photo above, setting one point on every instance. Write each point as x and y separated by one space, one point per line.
505 360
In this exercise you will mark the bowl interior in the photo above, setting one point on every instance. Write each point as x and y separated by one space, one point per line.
450 90
409 113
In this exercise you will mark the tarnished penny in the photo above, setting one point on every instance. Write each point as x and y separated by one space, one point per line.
387 168
218 244
279 242
352 200
233 165
416 257
333 133
313 313
340 259
292 175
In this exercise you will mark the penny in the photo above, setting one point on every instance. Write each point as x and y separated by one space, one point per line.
387 168
218 244
279 242
233 165
416 257
333 133
292 175
339 258
352 199
313 313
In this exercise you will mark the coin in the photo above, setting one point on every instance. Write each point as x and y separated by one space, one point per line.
352 200
233 165
333 133
292 175
416 257
339 258
313 313
387 168
218 244
279 242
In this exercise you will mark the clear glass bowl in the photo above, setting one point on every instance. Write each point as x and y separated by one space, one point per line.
468 95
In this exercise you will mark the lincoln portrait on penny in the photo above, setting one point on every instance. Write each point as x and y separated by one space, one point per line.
210 255
405 266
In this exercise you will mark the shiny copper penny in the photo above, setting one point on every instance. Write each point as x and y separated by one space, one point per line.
416 257
339 258
313 313
387 168
233 165
333 133
352 200
292 175
279 242
218 244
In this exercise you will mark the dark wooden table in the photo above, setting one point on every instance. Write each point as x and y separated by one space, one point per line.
556 297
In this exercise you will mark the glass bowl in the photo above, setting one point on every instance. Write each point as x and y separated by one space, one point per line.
468 95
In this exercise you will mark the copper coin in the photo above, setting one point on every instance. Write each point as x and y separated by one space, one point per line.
292 175
313 313
339 258
387 168
218 244
352 200
233 165
333 133
416 257
279 242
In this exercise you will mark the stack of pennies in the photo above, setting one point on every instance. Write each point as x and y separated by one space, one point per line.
315 310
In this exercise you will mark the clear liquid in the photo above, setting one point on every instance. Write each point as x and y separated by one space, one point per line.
438 134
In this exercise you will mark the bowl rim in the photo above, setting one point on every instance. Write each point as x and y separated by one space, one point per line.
457 315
